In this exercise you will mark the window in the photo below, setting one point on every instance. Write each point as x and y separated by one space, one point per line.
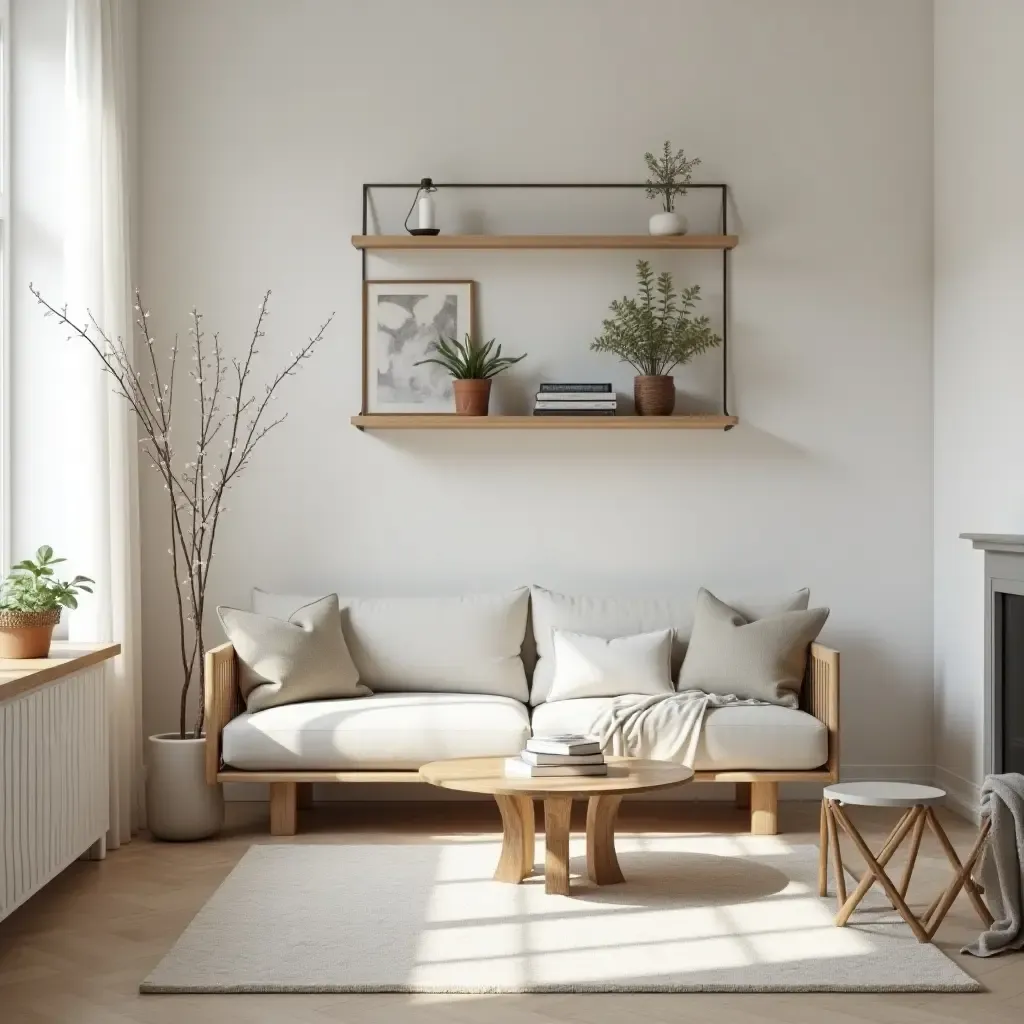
5 220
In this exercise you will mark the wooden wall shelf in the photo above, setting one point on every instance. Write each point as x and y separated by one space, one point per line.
544 241
449 421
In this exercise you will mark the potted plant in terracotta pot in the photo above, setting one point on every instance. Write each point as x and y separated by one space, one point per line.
31 600
655 332
669 176
199 454
472 367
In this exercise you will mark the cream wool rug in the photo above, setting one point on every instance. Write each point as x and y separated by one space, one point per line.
696 914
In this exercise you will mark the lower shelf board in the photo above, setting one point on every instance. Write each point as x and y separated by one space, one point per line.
450 421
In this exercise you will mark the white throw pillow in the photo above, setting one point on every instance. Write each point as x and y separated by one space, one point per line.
590 666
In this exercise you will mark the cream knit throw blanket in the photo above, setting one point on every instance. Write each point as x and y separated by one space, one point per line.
665 727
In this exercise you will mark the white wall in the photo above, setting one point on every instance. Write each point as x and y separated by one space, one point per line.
260 121
979 355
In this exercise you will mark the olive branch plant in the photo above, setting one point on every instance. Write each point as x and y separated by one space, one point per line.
655 332
197 473
670 174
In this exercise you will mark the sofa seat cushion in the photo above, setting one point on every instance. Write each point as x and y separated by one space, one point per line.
761 737
385 731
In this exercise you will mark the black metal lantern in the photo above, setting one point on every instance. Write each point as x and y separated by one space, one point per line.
426 215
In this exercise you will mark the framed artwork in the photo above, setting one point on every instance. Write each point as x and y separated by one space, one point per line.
401 322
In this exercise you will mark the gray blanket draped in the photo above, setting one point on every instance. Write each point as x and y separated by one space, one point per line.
665 727
1000 870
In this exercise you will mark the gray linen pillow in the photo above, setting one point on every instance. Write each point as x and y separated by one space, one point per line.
764 659
290 660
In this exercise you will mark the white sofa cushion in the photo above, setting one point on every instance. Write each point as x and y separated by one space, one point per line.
590 666
467 644
385 731
764 737
610 617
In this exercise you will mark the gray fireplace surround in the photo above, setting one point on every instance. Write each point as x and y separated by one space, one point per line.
1004 650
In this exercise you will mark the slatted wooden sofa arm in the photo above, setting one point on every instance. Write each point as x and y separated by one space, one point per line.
223 701
821 698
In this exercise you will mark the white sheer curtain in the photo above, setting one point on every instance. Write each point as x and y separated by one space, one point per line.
102 441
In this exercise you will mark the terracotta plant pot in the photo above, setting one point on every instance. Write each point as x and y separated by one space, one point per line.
654 396
472 397
27 634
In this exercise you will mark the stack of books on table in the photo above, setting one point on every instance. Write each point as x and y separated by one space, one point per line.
552 756
557 398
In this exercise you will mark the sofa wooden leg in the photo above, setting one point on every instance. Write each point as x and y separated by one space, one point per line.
764 808
743 795
283 810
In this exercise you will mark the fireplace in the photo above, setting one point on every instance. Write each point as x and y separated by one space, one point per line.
1004 650
1008 682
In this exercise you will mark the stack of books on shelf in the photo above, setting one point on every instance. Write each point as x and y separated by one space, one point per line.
558 398
553 756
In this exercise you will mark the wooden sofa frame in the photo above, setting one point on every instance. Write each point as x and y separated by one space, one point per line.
758 790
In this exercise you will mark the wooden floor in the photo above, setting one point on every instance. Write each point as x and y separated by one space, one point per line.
76 952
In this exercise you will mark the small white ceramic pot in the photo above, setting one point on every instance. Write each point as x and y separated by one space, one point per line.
180 804
667 224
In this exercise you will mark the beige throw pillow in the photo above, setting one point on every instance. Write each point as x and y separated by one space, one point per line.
764 659
590 666
286 661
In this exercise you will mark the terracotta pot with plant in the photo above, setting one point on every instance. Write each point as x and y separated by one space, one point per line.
31 600
655 332
472 367
199 456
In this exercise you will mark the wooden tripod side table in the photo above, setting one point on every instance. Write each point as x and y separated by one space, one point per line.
917 803
515 796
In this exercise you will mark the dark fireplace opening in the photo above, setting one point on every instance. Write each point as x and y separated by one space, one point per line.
1008 708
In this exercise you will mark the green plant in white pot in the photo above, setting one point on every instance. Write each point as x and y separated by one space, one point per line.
199 452
31 600
669 175
656 332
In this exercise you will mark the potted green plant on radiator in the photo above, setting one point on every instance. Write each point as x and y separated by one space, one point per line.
198 454
656 332
31 600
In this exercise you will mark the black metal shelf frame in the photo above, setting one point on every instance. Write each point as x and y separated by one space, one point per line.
721 187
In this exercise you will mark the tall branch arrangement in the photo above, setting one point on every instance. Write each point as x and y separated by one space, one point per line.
670 174
656 331
233 419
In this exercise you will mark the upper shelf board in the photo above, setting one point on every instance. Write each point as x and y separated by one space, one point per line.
544 241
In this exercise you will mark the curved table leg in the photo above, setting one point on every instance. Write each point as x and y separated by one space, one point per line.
516 861
556 844
602 864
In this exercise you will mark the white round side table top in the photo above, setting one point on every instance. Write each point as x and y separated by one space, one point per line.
884 794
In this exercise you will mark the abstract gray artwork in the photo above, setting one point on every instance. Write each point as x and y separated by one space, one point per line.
402 329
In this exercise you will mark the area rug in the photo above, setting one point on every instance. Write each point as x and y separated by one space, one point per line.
696 914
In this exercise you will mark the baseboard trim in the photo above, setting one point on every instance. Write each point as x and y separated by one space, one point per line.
962 795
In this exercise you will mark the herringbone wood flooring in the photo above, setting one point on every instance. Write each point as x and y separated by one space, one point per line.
75 953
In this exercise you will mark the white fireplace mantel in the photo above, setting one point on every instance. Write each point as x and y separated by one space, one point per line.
1010 543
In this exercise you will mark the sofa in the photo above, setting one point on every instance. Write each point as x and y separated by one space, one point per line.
471 676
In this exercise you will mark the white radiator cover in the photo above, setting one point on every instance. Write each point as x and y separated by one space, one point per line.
54 781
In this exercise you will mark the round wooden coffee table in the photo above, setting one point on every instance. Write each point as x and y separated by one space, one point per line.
515 797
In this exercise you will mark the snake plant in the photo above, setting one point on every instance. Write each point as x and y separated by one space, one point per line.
469 361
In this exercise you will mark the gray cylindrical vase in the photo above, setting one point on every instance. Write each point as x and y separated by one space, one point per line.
180 804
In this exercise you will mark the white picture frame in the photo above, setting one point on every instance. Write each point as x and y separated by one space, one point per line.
402 321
